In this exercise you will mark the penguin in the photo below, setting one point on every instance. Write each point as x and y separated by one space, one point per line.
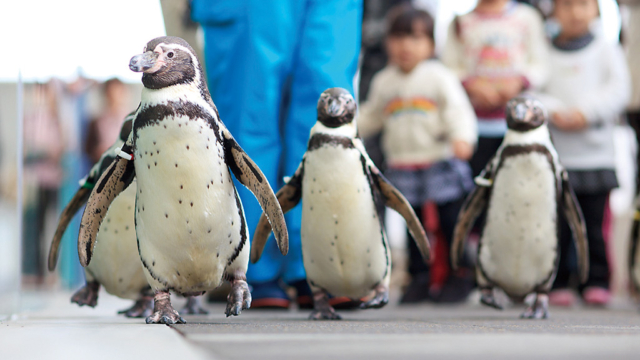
634 253
116 265
189 220
523 189
344 245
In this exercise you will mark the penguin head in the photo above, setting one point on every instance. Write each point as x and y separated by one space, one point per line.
525 113
336 107
167 61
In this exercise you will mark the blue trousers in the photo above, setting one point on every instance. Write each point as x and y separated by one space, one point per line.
267 63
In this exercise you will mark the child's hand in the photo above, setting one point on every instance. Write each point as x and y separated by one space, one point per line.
483 95
510 88
572 120
462 149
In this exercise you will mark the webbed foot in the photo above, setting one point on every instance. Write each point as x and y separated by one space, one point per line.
380 298
539 309
239 297
163 312
193 307
143 307
87 295
488 299
322 310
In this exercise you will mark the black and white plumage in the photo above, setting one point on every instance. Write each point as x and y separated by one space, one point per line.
634 249
190 224
344 245
116 264
523 189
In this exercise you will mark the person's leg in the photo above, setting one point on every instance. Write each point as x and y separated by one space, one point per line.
560 294
485 150
595 290
327 56
418 288
460 282
249 48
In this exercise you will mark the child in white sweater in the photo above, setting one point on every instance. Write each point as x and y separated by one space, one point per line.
428 133
587 91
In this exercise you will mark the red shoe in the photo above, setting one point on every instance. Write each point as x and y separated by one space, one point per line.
562 297
596 296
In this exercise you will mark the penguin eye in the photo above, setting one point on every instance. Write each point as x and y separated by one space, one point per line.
170 54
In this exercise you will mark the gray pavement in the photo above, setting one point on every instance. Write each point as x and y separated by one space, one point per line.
52 328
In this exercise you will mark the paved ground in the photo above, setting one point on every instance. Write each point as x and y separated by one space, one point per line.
56 329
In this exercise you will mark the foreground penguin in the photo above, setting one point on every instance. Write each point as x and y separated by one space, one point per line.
523 189
344 245
190 224
116 264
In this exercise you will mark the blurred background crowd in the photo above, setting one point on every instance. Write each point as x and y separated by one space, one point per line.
70 121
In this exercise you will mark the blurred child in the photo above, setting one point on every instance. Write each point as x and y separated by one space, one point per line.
428 133
104 130
587 91
497 50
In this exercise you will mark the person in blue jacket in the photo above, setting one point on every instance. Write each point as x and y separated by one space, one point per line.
267 62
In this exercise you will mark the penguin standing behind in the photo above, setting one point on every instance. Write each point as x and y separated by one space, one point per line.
116 264
344 245
634 254
524 188
190 225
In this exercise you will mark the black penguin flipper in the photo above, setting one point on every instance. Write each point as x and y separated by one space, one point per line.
288 197
250 175
634 244
473 206
573 214
117 177
79 199
394 199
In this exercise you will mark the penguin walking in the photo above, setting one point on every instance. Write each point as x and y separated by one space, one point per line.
523 189
634 253
344 245
116 264
189 220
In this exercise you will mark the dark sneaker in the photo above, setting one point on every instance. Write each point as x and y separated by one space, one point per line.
418 290
269 295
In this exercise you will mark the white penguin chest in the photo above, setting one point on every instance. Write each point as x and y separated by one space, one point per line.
189 221
343 246
519 241
116 263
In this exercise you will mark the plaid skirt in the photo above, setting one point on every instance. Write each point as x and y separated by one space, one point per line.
441 182
593 182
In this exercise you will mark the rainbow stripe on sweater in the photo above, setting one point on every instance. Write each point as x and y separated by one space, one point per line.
418 104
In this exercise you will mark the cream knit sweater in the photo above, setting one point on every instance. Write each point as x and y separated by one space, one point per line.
419 113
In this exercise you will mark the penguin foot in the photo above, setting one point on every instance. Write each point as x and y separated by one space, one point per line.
327 314
88 295
322 310
380 298
143 307
239 297
163 312
193 307
488 299
539 309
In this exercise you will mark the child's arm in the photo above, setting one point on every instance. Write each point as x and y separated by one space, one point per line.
536 70
458 116
453 52
370 116
609 100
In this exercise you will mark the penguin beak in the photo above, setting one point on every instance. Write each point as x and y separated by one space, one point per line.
147 63
334 108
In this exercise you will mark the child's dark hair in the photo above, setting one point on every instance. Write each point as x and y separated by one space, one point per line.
401 21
